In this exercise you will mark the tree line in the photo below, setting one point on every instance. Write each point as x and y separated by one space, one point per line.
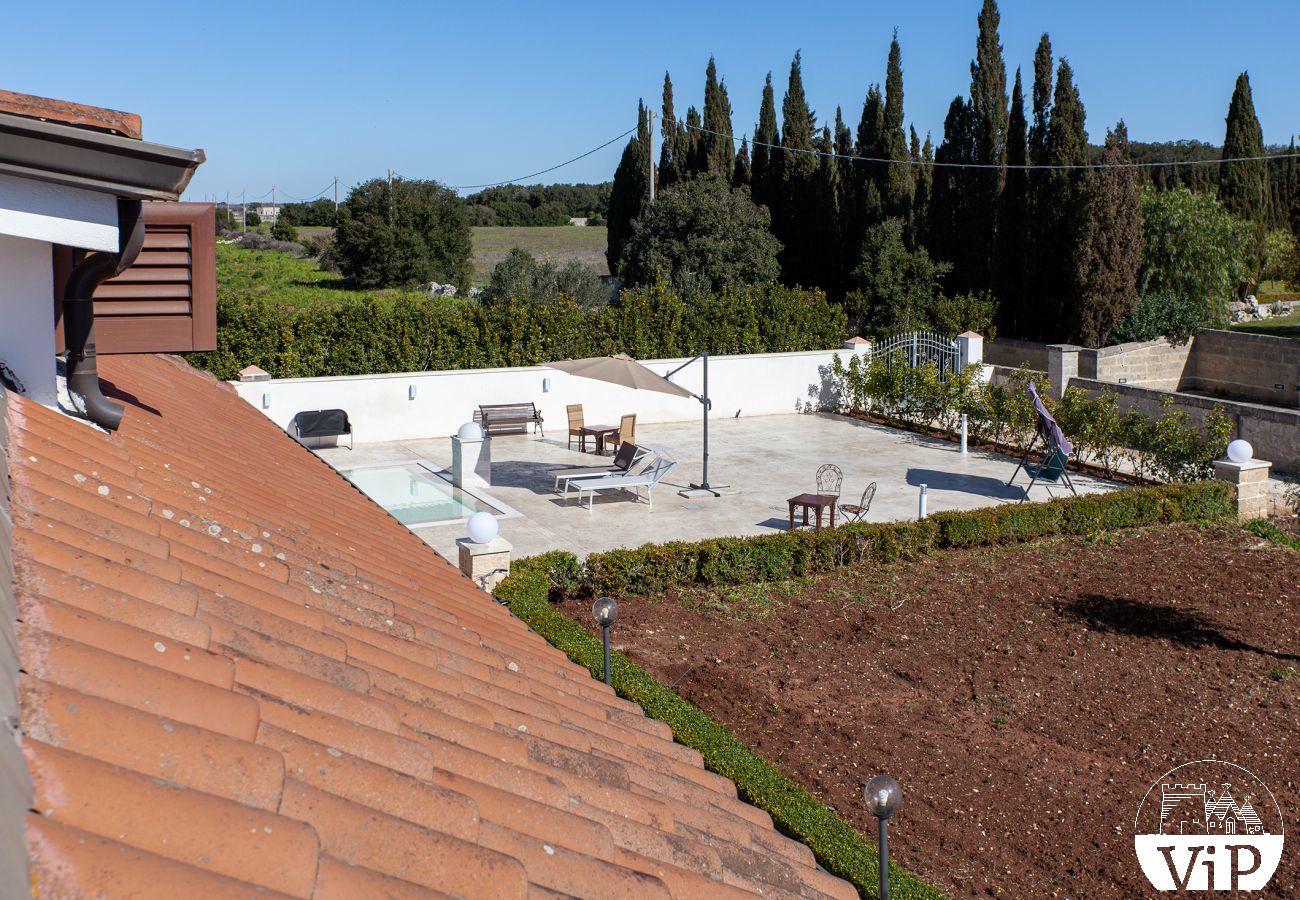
1012 212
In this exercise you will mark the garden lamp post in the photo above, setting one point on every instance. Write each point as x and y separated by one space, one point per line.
883 795
605 612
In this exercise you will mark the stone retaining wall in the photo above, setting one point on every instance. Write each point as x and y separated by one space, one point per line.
1012 354
1273 432
1259 367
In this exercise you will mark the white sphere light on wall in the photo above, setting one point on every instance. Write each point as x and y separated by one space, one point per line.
1240 451
482 527
470 431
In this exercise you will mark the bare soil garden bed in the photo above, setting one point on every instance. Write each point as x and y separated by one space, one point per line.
1026 697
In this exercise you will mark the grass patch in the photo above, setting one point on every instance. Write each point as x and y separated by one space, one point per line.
285 279
1270 532
560 243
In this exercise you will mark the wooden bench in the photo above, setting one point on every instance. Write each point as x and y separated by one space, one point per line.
321 423
496 417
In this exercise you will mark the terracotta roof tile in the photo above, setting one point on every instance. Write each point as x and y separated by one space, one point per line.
98 673
152 745
77 114
147 645
68 862
337 880
187 826
325 674
387 844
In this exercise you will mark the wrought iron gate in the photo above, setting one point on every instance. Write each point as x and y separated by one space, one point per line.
917 348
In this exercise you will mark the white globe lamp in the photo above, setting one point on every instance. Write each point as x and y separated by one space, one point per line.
1240 451
482 527
470 431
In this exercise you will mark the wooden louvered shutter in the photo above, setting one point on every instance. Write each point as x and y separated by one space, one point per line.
166 301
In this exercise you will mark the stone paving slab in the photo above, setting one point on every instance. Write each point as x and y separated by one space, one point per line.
766 459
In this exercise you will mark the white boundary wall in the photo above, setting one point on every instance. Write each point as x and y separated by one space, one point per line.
381 407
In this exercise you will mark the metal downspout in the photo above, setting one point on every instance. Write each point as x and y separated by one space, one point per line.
79 315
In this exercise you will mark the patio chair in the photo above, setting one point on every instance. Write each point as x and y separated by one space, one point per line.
1051 470
648 479
626 429
829 480
856 512
576 425
626 461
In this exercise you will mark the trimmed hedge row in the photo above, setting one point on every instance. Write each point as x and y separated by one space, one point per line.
795 812
654 568
537 580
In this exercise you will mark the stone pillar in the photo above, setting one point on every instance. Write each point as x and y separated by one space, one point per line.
471 461
487 565
1062 365
1251 479
859 346
970 349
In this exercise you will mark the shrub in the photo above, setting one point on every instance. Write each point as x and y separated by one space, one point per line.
410 332
403 233
1159 314
283 230
522 277
705 234
1168 448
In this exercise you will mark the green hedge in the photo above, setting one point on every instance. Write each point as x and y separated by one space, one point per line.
795 812
653 568
537 580
409 332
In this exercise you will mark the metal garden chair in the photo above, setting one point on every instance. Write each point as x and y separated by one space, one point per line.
856 512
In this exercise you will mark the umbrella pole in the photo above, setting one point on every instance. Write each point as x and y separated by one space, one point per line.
706 403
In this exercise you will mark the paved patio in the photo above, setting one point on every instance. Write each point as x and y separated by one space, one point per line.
766 459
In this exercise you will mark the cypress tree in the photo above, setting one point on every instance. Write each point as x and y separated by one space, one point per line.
1108 244
921 228
794 225
1067 145
766 161
1243 186
988 113
866 200
1042 101
744 172
896 183
826 215
629 192
950 197
1011 227
693 158
719 151
668 164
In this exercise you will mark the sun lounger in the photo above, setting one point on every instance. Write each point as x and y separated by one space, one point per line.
648 479
628 456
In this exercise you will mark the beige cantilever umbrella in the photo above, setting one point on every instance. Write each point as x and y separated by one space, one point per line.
620 369
623 369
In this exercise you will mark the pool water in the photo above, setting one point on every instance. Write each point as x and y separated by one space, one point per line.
415 495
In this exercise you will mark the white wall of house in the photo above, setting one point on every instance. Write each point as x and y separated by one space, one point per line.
33 217
27 315
57 214
381 407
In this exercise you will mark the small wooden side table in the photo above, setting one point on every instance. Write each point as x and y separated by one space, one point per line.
600 433
816 502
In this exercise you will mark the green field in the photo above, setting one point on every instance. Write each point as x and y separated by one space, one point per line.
561 243
282 277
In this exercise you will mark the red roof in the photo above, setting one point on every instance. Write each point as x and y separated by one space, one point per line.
67 113
238 671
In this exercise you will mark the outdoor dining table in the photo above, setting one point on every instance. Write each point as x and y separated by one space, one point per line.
600 433
816 502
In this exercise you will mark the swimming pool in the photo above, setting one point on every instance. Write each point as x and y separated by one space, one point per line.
415 494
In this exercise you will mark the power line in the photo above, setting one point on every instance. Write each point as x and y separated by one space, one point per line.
952 165
321 193
466 187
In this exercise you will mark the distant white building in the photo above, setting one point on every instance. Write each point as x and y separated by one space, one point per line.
268 213
580 222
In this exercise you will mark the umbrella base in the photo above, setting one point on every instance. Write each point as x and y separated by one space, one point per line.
707 490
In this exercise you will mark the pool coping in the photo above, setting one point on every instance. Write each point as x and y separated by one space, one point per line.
502 510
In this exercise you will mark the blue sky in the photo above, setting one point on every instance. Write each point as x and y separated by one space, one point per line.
293 94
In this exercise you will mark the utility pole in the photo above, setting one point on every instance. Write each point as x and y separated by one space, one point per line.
272 199
390 196
336 200
243 211
650 154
